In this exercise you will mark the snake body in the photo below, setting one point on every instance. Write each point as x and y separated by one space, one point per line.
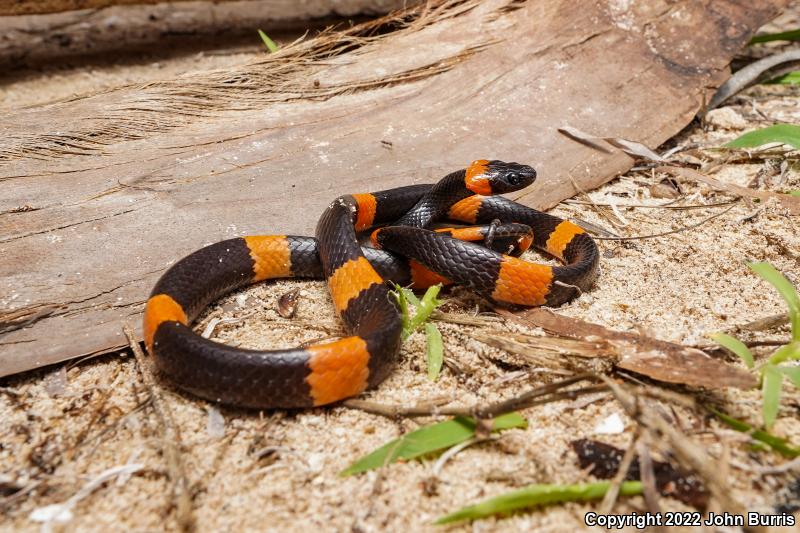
407 252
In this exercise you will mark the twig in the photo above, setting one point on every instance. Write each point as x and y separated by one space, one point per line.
446 456
685 451
112 426
97 413
669 205
7 502
671 232
465 320
794 464
787 201
424 408
594 229
597 208
767 322
610 497
647 475
526 399
170 440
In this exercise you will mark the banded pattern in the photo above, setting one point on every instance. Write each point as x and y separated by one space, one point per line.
504 278
325 373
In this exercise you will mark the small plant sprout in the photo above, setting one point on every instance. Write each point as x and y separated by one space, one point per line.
269 43
780 363
423 310
429 440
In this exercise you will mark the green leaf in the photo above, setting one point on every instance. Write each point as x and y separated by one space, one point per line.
435 351
791 372
782 133
429 439
792 35
794 193
410 296
402 302
785 353
736 346
771 393
790 78
539 495
778 444
271 46
426 306
786 290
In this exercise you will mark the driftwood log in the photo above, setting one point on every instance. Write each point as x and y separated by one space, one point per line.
101 194
33 39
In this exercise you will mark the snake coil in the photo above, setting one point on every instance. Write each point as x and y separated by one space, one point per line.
406 251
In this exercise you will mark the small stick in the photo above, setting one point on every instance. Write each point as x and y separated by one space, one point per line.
170 440
527 399
668 205
670 232
465 320
685 451
610 497
767 322
647 475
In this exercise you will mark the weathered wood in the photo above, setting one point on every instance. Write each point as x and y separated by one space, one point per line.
100 194
39 7
33 39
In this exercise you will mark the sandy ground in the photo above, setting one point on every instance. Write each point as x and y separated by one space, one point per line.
64 426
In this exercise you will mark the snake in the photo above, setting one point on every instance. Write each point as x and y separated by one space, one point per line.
406 249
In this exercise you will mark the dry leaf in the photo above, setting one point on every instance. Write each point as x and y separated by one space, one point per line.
287 304
660 360
791 203
632 148
750 74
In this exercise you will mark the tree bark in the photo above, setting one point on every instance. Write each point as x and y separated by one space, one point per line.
101 194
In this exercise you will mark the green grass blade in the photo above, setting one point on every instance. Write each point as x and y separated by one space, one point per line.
435 351
538 495
771 393
786 290
790 78
792 35
270 44
736 346
429 439
782 133
778 444
785 353
791 372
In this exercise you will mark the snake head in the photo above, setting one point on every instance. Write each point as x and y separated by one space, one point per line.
496 177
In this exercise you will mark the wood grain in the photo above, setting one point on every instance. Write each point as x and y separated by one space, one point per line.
101 194
30 40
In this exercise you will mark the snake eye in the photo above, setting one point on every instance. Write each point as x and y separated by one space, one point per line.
513 178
